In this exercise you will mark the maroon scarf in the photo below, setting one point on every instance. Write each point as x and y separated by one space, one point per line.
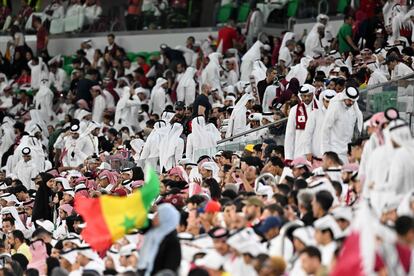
302 115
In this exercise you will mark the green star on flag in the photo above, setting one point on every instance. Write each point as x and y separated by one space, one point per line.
129 223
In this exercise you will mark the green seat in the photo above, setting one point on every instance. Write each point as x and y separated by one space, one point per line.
243 12
224 13
292 8
342 4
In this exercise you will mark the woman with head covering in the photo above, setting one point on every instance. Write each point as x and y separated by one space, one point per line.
201 138
161 249
44 196
171 147
159 98
186 89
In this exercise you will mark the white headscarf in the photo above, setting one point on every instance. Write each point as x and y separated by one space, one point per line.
188 78
299 71
253 54
339 98
203 138
169 143
239 107
328 95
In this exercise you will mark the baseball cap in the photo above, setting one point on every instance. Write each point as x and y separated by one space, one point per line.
253 200
269 223
179 105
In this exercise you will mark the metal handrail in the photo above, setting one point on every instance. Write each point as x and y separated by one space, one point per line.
387 83
285 119
251 131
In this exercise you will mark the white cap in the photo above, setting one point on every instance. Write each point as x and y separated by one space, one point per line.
307 88
212 260
328 223
344 213
305 235
47 225
70 255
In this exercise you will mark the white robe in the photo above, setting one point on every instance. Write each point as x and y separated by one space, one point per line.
151 150
313 135
253 54
401 174
295 139
211 74
58 79
123 113
238 122
99 105
299 71
43 101
38 72
338 127
158 97
171 147
91 145
74 152
25 171
203 137
313 44
268 97
186 89
377 77
401 70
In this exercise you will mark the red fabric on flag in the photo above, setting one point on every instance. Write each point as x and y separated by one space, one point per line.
349 260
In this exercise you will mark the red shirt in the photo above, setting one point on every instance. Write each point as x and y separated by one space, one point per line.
227 34
145 67
41 38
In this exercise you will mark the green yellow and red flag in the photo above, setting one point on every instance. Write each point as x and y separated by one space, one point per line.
108 218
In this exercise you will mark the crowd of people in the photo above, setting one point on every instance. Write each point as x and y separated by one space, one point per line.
324 191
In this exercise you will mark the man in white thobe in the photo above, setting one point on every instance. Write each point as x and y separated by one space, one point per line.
99 104
397 68
43 101
26 170
159 97
237 122
342 118
313 135
298 116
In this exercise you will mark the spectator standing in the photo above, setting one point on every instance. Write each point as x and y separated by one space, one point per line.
346 44
255 23
202 106
227 36
112 46
42 38
133 18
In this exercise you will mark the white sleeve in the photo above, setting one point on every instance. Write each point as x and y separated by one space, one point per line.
308 134
179 150
189 147
290 134
328 124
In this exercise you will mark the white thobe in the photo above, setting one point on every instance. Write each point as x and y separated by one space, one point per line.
327 252
401 173
284 55
239 122
377 77
158 101
313 45
377 171
109 99
91 145
92 13
43 101
124 115
268 97
74 152
25 171
58 79
232 77
281 246
313 134
99 105
401 70
38 72
338 129
295 142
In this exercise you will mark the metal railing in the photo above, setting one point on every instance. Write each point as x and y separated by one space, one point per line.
251 131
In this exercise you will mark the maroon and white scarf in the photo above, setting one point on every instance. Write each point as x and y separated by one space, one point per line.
302 115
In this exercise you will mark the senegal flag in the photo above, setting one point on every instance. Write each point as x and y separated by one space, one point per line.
108 218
